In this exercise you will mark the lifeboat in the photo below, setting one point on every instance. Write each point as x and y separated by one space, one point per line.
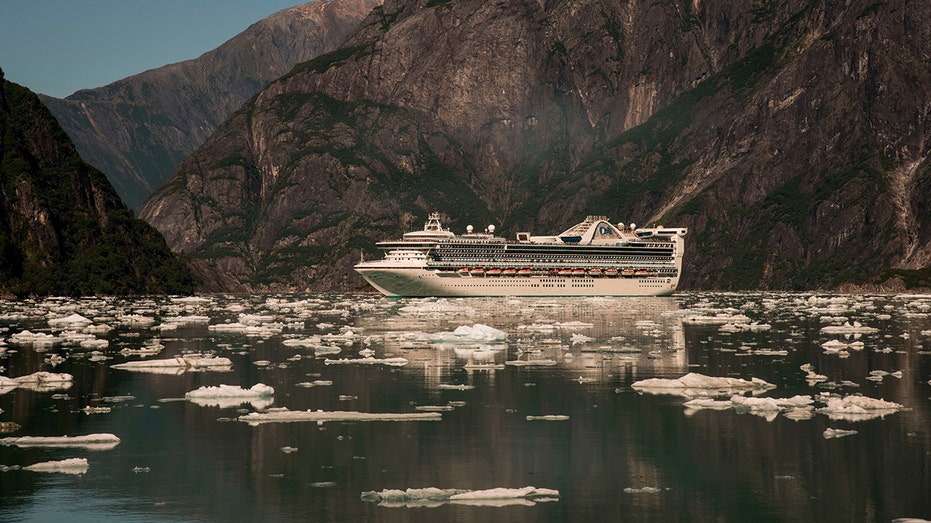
612 273
594 272
565 272
477 271
463 271
627 272
509 272
578 272
494 272
641 272
524 272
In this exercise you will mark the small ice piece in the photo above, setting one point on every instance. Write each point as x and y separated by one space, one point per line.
315 383
231 391
38 339
448 386
848 328
548 417
103 441
857 408
830 433
470 334
434 497
531 363
75 320
394 362
283 415
42 377
694 384
642 490
96 410
288 450
65 466
434 408
578 339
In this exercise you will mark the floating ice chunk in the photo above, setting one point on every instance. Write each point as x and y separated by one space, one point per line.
474 333
65 466
434 497
694 384
75 320
95 410
136 320
394 362
434 408
191 319
283 415
745 327
531 363
95 344
643 490
231 391
837 433
548 417
718 319
42 377
288 450
858 408
575 325
577 339
848 328
448 386
102 441
187 362
315 383
27 337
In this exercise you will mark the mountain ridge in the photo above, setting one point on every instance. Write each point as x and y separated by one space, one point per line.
778 133
137 129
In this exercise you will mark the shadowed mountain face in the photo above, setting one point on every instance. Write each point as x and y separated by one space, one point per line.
138 129
63 229
791 138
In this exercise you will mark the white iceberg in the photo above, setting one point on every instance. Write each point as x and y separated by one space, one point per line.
548 417
394 362
857 408
694 384
183 363
65 466
434 497
470 334
848 328
39 339
102 441
75 320
283 415
231 396
837 433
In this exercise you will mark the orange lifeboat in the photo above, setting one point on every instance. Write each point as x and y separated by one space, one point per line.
477 271
510 272
578 272
494 272
565 272
611 273
595 272
463 271
627 272
524 272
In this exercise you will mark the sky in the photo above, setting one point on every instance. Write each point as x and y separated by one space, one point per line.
57 47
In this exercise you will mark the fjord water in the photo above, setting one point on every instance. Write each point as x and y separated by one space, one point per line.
550 406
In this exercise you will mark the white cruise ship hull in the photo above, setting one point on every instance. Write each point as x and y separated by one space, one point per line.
422 282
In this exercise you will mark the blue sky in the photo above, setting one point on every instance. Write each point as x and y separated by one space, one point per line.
57 47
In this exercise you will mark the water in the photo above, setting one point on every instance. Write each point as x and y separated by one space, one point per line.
611 452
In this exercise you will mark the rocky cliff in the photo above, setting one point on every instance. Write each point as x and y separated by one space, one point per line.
138 129
790 137
63 229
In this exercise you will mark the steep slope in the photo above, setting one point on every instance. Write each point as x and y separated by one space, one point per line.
63 229
138 129
789 137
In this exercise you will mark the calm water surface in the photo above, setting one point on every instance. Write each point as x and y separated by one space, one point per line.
611 452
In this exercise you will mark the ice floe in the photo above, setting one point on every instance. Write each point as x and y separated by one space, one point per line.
837 433
857 408
187 362
101 441
848 328
393 362
283 415
694 384
434 497
229 396
64 466
471 334
548 417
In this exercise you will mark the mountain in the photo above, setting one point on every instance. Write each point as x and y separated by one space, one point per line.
138 129
790 137
63 229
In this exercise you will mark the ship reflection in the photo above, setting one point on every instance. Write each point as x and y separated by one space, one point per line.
586 339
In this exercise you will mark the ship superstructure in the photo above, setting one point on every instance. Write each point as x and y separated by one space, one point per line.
591 258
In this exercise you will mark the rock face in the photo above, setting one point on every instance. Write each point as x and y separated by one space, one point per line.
63 229
138 129
790 137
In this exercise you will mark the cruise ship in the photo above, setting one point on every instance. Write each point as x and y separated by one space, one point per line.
591 258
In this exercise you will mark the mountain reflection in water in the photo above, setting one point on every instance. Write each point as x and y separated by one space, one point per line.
480 409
